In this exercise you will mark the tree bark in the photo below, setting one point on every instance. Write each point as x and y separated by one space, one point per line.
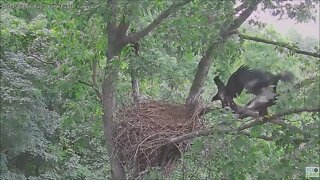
223 129
115 45
108 102
94 72
205 62
200 77
117 171
135 85
117 39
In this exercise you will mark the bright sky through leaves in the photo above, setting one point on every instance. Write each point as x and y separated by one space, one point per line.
306 29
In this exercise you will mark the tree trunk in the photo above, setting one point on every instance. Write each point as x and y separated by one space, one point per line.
205 62
108 101
135 85
117 39
200 78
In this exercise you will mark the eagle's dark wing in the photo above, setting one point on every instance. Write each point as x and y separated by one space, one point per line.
237 81
285 76
256 80
223 96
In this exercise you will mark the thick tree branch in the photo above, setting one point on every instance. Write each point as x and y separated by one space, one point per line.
281 44
93 87
240 7
207 132
124 23
113 10
140 34
212 130
123 26
276 116
200 133
201 75
134 84
243 16
205 62
293 111
115 32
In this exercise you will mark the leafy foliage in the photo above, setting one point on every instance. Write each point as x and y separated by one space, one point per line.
51 119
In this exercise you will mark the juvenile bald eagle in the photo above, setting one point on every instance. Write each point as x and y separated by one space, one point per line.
256 82
253 80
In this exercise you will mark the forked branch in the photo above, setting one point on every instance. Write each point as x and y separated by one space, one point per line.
205 62
244 15
172 9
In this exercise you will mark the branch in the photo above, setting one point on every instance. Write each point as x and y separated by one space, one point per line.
280 122
200 133
123 27
93 87
205 62
207 132
276 116
282 44
293 111
38 59
113 10
125 22
264 137
94 72
243 16
306 82
205 111
240 7
140 34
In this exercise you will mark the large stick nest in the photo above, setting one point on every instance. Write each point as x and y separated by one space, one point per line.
143 131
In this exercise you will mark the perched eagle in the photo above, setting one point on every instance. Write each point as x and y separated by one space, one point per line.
262 101
253 80
256 82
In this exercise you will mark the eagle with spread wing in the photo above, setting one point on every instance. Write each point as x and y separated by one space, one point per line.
255 81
